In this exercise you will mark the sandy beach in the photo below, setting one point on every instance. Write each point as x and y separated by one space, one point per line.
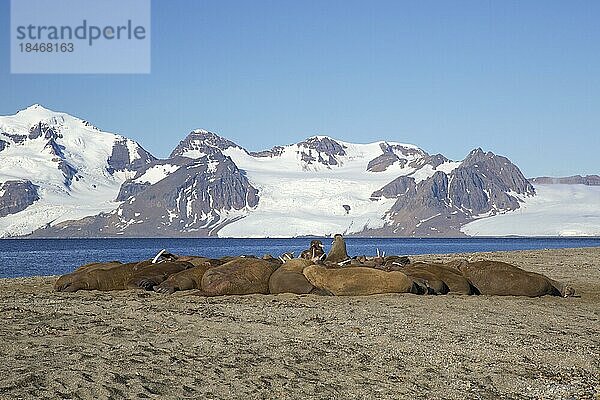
135 344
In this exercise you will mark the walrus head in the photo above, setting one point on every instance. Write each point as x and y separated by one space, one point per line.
316 244
338 250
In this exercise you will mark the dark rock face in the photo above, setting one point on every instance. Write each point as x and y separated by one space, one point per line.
3 145
589 180
202 141
435 160
322 150
43 129
17 195
192 197
16 138
401 186
68 171
274 152
196 200
121 159
482 184
382 162
502 174
133 186
54 148
390 156
130 188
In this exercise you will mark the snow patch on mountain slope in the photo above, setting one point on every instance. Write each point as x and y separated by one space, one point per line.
299 199
555 210
157 173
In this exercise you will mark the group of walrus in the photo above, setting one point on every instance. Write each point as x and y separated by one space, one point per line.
314 272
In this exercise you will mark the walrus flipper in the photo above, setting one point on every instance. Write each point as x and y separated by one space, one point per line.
146 283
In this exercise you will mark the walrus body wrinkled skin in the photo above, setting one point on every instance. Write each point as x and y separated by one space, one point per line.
451 277
358 281
241 275
197 261
117 276
288 278
502 279
185 280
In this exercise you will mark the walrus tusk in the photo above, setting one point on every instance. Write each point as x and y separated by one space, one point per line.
345 262
281 258
383 255
396 263
378 252
160 253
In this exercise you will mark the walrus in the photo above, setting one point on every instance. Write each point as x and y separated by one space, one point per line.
270 258
188 279
358 281
288 278
242 275
314 252
399 261
197 260
117 276
456 282
338 250
94 265
502 279
429 282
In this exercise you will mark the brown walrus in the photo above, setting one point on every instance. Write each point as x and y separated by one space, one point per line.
314 252
502 279
91 266
242 275
358 281
188 279
288 278
446 273
398 261
117 276
338 250
270 258
430 283
197 260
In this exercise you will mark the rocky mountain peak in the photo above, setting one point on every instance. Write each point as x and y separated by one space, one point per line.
321 149
497 169
324 144
200 142
483 184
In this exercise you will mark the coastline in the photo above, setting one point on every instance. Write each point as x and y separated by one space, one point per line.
147 345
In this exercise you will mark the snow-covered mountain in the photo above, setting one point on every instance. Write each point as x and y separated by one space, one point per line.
209 185
55 167
556 210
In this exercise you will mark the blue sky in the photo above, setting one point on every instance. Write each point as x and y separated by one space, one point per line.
520 78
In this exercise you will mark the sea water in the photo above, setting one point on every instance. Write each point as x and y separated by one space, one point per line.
34 257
